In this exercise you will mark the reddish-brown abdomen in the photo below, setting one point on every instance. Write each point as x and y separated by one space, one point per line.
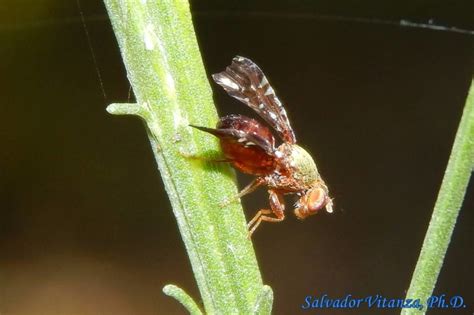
253 153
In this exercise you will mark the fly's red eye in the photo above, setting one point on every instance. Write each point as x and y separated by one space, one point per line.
316 199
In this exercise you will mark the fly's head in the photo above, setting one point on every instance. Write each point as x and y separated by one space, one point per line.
312 200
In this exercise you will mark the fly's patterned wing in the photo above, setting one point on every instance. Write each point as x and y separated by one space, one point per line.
244 81
244 131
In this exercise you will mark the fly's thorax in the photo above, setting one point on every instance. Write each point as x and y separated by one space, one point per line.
298 164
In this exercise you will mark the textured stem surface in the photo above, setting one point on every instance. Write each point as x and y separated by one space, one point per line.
446 210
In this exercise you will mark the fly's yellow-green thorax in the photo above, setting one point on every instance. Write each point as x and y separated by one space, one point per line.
302 164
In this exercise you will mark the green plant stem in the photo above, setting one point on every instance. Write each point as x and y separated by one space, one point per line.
446 210
163 63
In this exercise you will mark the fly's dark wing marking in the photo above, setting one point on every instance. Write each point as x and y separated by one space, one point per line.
240 137
244 81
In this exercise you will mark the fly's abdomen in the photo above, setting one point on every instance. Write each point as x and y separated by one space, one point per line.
251 147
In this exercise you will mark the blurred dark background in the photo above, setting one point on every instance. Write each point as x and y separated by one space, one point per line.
85 224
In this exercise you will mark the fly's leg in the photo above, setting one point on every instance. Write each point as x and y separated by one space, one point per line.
277 208
259 181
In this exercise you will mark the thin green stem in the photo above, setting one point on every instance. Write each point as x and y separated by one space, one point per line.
164 66
446 210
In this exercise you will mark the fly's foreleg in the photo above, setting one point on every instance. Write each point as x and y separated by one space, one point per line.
277 208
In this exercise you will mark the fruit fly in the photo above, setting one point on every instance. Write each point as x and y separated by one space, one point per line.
250 147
